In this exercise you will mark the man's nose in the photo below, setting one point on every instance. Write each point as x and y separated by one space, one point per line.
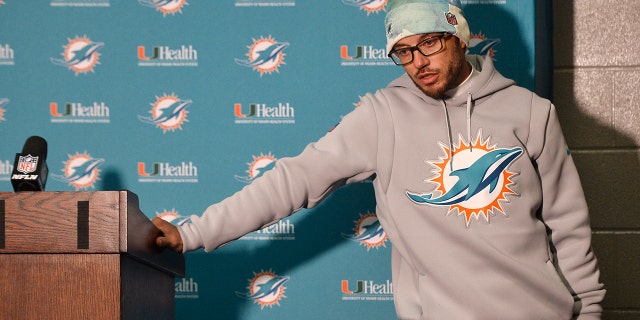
419 60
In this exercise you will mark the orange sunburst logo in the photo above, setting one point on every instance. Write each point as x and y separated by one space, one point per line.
2 114
472 179
274 56
480 44
259 164
172 7
81 170
369 232
162 106
172 216
266 288
81 54
374 6
168 215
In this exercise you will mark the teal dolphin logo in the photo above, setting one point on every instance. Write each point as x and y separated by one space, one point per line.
80 171
371 231
171 112
265 289
260 171
482 47
357 3
80 55
484 173
264 56
368 232
156 3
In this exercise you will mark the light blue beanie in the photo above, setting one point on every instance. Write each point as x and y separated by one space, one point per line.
410 17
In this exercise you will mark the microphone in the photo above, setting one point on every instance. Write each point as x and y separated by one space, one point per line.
30 167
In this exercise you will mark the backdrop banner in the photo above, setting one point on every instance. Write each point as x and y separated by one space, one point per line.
184 102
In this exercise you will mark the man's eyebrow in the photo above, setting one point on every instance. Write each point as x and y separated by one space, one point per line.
422 38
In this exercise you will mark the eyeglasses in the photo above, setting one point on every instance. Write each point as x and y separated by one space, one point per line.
426 47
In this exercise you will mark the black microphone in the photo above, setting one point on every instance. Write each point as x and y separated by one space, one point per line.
30 167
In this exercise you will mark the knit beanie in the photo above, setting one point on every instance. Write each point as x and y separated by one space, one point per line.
410 17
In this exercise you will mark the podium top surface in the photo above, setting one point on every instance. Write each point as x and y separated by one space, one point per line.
81 222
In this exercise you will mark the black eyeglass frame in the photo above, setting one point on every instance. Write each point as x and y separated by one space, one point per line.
397 60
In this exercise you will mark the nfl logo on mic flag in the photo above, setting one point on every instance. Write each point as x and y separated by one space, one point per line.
27 164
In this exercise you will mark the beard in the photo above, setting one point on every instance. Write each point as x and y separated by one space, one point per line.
450 77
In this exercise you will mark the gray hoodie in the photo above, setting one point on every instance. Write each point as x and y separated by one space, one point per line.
477 193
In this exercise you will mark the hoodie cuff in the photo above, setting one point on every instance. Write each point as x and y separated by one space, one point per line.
191 239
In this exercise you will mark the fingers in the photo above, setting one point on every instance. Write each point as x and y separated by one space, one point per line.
169 237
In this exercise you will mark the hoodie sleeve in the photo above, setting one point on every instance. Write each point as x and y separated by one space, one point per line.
565 212
345 154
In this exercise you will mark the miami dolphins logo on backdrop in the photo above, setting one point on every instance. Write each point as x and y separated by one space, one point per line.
367 5
257 167
80 55
168 112
368 232
481 45
266 55
475 184
165 6
80 171
266 288
173 217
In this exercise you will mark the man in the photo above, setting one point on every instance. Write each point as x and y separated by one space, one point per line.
474 184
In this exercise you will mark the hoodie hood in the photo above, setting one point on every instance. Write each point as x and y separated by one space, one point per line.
487 81
484 81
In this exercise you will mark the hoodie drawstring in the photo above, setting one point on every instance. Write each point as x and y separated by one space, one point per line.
469 96
448 124
446 120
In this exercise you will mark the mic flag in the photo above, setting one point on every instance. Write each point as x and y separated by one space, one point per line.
30 167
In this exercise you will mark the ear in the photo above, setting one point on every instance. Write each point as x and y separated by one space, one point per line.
462 44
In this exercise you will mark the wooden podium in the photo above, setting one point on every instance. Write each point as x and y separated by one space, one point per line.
82 255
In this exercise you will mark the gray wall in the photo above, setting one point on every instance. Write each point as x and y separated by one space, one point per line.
596 78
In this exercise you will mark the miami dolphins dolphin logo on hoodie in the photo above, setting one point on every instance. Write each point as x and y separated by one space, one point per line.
475 184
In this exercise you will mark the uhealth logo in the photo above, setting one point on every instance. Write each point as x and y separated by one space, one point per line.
257 167
266 288
80 55
364 55
6 168
367 290
186 289
165 6
168 112
3 103
262 113
165 56
266 55
7 55
77 112
80 3
80 171
367 5
281 230
166 172
368 232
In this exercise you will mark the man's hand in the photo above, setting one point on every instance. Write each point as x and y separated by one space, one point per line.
169 237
